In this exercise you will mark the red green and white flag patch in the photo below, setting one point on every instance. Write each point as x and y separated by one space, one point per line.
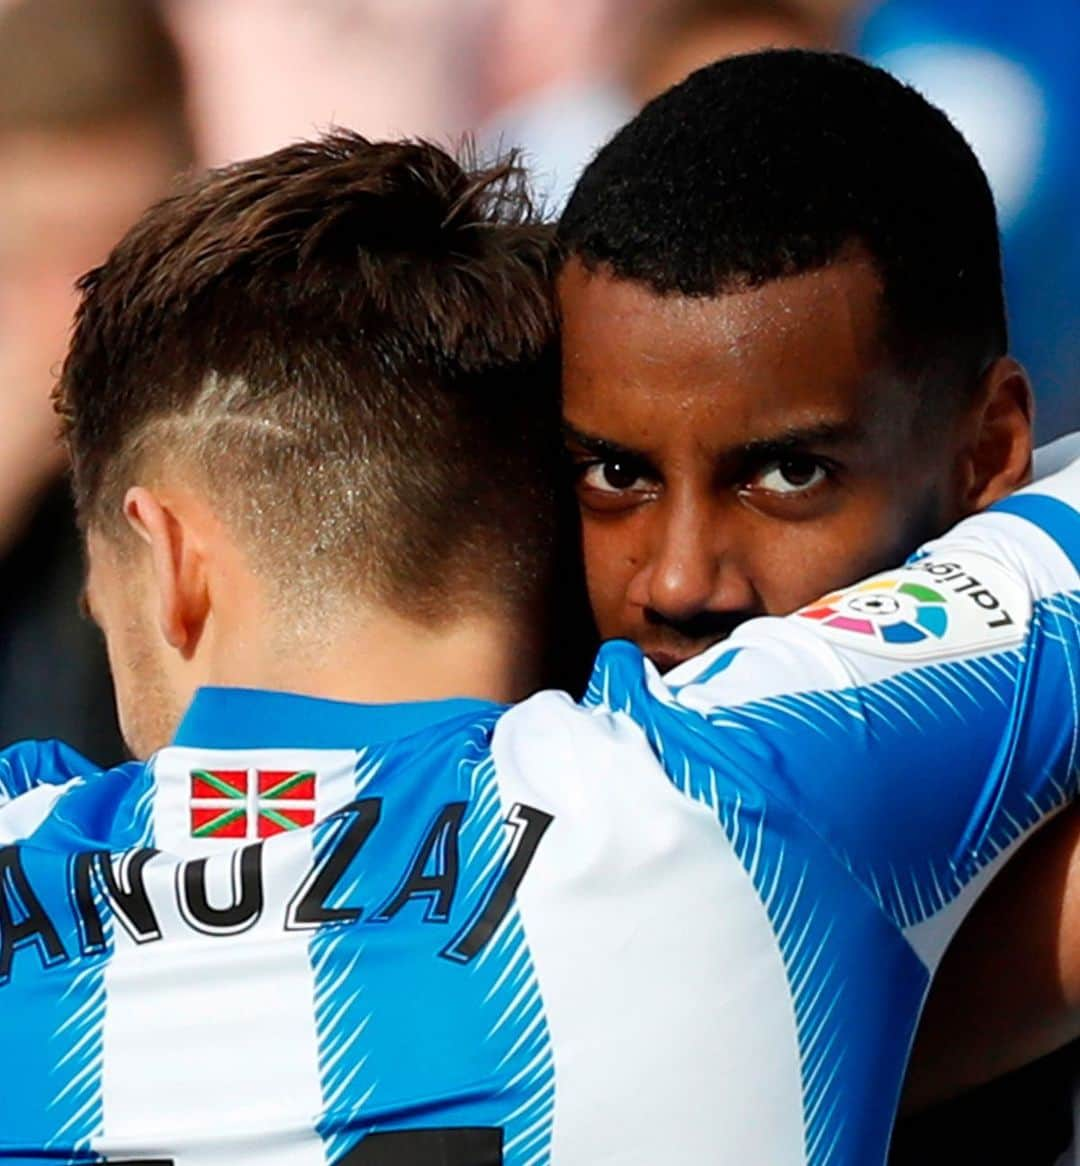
250 803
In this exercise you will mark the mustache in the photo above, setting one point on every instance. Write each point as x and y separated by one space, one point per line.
710 626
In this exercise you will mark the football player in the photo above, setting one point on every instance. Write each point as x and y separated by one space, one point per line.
351 905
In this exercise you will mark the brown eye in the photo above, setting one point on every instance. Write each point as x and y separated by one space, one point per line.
612 476
790 475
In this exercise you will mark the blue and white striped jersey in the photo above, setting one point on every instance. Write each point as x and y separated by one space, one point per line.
689 920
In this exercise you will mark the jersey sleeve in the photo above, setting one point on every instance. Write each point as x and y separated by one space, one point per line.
28 765
922 722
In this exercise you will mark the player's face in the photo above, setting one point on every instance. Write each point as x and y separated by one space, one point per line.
740 455
122 600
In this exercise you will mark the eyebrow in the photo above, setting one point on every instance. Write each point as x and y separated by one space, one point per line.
786 441
827 434
600 446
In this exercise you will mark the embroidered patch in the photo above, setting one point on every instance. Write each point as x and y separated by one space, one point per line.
250 803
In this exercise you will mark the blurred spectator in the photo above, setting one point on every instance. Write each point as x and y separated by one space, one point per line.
660 42
1008 76
266 72
92 128
677 38
533 45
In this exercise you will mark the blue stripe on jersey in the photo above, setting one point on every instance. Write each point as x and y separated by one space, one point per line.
50 1093
409 1039
979 718
247 718
1059 520
720 663
852 825
33 763
856 985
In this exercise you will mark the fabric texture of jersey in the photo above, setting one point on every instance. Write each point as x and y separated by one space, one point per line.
690 920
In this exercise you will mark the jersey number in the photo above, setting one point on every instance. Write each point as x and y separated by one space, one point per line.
453 1147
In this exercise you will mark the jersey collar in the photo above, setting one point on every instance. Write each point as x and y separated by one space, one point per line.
250 718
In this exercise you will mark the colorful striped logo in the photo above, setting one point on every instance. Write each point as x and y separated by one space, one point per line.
890 611
250 803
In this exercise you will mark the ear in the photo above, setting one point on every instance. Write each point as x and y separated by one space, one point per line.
998 458
178 564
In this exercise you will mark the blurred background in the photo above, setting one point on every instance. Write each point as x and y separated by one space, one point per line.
103 101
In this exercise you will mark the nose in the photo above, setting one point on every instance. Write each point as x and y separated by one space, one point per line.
693 566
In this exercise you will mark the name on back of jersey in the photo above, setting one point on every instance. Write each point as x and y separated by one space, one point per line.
282 882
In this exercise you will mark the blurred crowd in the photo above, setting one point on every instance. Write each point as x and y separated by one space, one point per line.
103 101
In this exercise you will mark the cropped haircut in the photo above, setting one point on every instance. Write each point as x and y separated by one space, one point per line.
774 164
354 345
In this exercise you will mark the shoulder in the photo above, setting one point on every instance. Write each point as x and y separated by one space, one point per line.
27 765
35 776
623 748
551 731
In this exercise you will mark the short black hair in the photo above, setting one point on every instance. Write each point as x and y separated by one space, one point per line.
772 164
355 344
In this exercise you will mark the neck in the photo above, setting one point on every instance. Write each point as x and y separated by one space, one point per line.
381 658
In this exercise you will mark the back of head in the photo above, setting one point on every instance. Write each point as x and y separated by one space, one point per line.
773 164
67 65
350 346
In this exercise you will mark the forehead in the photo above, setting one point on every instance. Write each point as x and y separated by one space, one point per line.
795 352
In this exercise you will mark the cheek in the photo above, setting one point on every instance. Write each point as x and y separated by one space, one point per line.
813 558
135 660
129 661
612 557
145 698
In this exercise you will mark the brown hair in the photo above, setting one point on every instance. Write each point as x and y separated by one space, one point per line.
68 64
354 343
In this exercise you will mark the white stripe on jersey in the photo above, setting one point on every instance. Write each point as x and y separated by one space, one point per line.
255 993
24 814
625 878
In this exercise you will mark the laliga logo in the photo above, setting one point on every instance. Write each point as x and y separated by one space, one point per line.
890 611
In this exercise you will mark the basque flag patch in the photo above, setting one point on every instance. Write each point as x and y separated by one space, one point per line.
250 803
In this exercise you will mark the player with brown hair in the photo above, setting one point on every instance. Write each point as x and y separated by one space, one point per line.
351 906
